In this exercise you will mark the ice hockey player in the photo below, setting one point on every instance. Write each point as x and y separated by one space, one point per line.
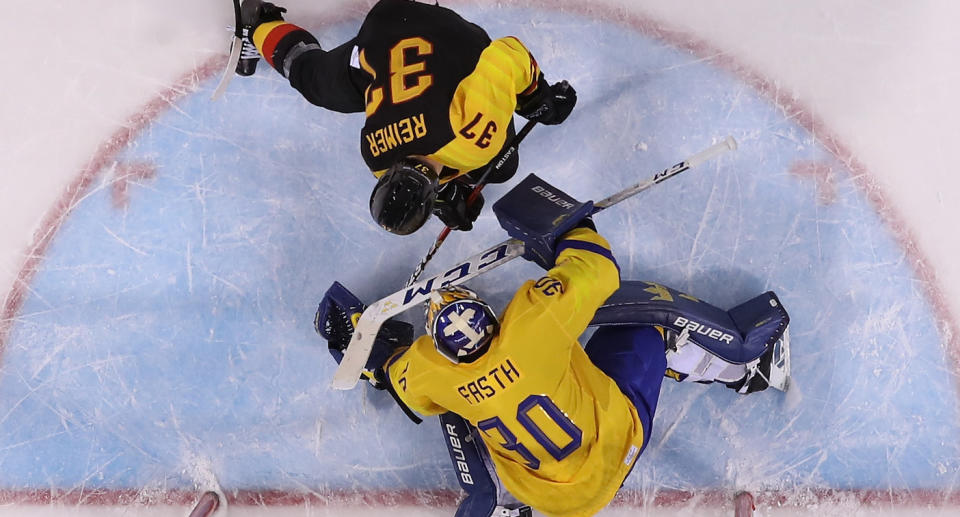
438 94
528 414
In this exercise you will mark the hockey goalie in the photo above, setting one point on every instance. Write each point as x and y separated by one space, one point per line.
531 417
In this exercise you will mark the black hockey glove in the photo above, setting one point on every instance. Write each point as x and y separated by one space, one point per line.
548 104
451 205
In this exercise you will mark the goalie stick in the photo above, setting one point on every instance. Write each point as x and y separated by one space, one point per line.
367 327
235 47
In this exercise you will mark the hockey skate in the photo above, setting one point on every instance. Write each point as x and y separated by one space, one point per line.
243 53
252 13
504 511
772 369
780 363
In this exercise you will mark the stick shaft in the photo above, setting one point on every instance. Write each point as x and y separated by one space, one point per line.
496 164
361 344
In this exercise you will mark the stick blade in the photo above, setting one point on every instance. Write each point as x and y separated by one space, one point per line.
229 70
357 352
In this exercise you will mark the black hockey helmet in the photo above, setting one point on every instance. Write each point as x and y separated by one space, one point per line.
403 198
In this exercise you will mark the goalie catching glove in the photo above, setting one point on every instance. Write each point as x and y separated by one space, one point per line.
336 320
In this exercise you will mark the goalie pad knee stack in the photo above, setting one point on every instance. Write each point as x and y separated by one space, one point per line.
746 348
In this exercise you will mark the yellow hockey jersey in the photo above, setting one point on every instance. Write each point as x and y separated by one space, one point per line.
561 433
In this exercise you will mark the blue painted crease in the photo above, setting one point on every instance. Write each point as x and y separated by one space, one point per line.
180 328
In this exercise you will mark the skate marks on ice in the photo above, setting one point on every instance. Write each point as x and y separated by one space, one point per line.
177 324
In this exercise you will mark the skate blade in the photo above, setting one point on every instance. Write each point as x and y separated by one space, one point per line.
780 363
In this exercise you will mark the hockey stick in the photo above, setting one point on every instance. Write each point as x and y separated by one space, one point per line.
367 327
235 47
496 164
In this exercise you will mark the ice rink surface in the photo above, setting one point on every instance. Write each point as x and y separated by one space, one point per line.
157 338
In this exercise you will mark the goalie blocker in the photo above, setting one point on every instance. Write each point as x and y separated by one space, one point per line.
746 348
357 353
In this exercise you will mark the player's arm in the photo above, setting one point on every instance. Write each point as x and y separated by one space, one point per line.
513 60
324 78
584 276
505 80
536 98
405 371
558 234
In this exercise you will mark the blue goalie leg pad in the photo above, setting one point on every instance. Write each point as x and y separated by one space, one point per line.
634 358
738 337
762 319
467 453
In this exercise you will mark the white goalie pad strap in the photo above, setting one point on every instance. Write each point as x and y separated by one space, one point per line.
502 511
698 364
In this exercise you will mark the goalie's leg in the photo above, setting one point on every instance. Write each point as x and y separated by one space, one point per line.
633 357
772 369
689 361
486 496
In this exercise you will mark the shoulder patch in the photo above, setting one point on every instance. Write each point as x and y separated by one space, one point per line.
549 286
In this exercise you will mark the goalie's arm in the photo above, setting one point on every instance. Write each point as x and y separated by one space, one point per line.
565 299
400 372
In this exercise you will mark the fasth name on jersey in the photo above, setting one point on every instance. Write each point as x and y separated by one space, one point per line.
483 387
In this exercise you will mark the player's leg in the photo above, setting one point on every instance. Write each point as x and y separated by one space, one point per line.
634 358
486 496
746 348
689 361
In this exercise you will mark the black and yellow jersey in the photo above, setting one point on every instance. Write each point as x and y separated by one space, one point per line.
429 82
561 434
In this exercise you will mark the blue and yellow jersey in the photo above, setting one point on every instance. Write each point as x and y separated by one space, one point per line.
561 434
429 82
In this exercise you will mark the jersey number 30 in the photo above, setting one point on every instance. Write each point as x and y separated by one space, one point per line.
553 413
